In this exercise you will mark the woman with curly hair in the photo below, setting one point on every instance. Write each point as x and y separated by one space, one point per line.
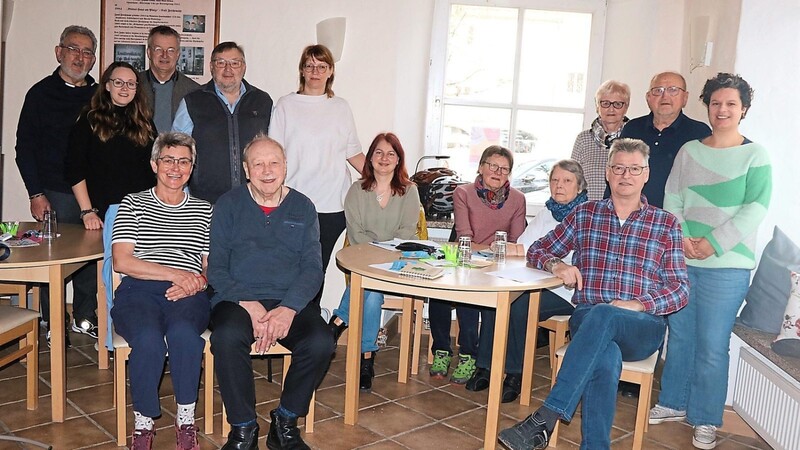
108 154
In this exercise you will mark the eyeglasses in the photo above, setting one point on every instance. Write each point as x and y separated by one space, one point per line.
671 90
495 168
220 63
75 51
183 163
171 51
619 169
321 68
118 83
607 103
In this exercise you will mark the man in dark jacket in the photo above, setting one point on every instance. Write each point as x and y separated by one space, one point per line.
162 84
50 109
222 116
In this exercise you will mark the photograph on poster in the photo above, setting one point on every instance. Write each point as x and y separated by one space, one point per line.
126 25
132 54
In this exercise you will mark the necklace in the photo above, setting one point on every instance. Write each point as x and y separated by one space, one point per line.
381 196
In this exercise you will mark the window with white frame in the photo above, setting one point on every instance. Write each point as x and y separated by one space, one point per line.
516 73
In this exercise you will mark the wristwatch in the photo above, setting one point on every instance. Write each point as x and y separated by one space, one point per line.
548 266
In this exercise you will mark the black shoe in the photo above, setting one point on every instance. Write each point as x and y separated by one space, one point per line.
67 342
242 438
86 326
512 386
367 372
479 380
336 329
531 433
284 434
629 390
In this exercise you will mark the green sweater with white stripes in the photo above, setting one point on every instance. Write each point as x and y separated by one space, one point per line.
721 195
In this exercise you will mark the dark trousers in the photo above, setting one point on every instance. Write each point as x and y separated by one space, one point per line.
84 280
550 305
331 226
309 339
144 317
439 314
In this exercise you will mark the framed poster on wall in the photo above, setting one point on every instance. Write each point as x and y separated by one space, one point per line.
125 25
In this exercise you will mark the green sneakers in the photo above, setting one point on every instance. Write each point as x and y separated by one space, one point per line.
464 370
441 363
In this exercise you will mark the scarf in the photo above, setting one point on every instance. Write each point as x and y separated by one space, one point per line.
560 211
490 198
601 137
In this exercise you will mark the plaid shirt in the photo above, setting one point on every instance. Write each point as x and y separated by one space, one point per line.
641 259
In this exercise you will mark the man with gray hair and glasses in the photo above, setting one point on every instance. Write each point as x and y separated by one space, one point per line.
50 109
664 130
629 272
162 83
222 116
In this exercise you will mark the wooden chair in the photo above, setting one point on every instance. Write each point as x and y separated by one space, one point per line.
122 351
277 350
396 303
23 324
558 327
637 372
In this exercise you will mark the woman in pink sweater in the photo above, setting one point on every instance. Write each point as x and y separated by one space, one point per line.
488 205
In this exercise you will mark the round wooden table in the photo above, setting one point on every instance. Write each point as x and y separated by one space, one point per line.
463 285
51 262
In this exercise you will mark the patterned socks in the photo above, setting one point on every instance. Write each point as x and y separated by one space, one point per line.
142 422
186 414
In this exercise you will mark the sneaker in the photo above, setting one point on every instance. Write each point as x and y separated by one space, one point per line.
186 437
142 439
660 414
705 437
531 433
441 364
85 326
67 342
464 370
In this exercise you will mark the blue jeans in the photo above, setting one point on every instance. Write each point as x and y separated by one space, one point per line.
695 377
152 324
373 301
108 268
602 337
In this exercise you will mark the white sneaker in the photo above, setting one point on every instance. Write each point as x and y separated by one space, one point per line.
660 414
705 437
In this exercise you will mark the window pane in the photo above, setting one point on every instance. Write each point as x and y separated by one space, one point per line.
555 55
468 131
480 53
554 132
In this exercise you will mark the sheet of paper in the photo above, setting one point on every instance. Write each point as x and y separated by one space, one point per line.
521 274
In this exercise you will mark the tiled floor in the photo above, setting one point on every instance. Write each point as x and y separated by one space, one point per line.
423 414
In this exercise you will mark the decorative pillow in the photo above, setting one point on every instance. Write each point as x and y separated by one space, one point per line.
766 299
788 341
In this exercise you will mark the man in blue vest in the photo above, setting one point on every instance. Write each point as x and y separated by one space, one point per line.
222 116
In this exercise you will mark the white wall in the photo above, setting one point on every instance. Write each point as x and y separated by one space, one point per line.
384 69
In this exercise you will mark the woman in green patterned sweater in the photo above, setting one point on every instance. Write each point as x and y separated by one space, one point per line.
719 189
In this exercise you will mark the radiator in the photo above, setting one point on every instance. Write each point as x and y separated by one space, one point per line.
768 400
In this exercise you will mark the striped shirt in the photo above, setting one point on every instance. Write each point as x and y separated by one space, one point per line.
641 259
175 236
593 157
